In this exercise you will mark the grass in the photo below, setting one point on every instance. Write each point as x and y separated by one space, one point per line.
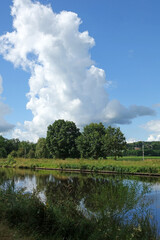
7 233
133 164
61 219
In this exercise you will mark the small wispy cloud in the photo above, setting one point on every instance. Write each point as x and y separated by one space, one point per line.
157 105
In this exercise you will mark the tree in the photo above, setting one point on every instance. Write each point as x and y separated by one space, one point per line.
13 153
11 145
114 142
61 137
3 152
31 153
24 149
2 142
41 149
90 143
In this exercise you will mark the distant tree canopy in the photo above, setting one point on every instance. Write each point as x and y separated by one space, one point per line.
150 148
61 139
64 140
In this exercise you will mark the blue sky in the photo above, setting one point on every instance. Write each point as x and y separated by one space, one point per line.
127 37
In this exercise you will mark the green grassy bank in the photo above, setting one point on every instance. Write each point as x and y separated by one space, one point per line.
130 165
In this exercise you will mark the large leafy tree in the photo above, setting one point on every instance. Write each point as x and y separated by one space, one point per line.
41 149
61 137
114 142
90 143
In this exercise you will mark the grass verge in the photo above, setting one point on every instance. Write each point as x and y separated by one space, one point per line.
124 165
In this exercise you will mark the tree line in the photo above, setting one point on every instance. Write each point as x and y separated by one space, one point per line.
64 140
150 148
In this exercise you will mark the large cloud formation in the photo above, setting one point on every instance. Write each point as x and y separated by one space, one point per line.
64 82
4 110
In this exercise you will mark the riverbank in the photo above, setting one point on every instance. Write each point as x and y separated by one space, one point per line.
126 165
106 213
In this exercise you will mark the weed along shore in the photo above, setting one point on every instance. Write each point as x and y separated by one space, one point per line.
126 165
54 205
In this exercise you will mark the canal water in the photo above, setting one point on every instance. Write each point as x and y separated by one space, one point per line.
94 195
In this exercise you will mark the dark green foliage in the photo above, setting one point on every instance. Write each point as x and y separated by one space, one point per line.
90 143
98 143
61 137
16 148
65 141
114 142
41 149
13 153
11 145
26 149
2 142
21 152
3 152
150 149
31 153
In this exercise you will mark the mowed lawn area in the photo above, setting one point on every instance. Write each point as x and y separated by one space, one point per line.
132 164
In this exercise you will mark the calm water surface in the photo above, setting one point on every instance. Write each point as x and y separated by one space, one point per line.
93 194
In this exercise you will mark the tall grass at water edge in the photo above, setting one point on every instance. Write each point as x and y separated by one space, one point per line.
63 220
122 165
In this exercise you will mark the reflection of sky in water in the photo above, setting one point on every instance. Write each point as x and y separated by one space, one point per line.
154 196
87 213
29 184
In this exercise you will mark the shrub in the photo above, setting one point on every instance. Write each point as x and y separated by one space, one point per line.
10 160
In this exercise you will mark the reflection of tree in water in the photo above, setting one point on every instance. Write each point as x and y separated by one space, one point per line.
3 177
106 201
99 196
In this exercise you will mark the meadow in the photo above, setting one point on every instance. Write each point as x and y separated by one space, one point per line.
131 165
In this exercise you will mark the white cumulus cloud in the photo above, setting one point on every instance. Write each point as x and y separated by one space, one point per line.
153 126
131 140
4 110
64 82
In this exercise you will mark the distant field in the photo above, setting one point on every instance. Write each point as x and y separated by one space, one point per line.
133 164
137 158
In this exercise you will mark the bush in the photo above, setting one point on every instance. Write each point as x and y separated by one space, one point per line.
13 153
10 160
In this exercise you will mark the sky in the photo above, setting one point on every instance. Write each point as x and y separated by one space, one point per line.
83 61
